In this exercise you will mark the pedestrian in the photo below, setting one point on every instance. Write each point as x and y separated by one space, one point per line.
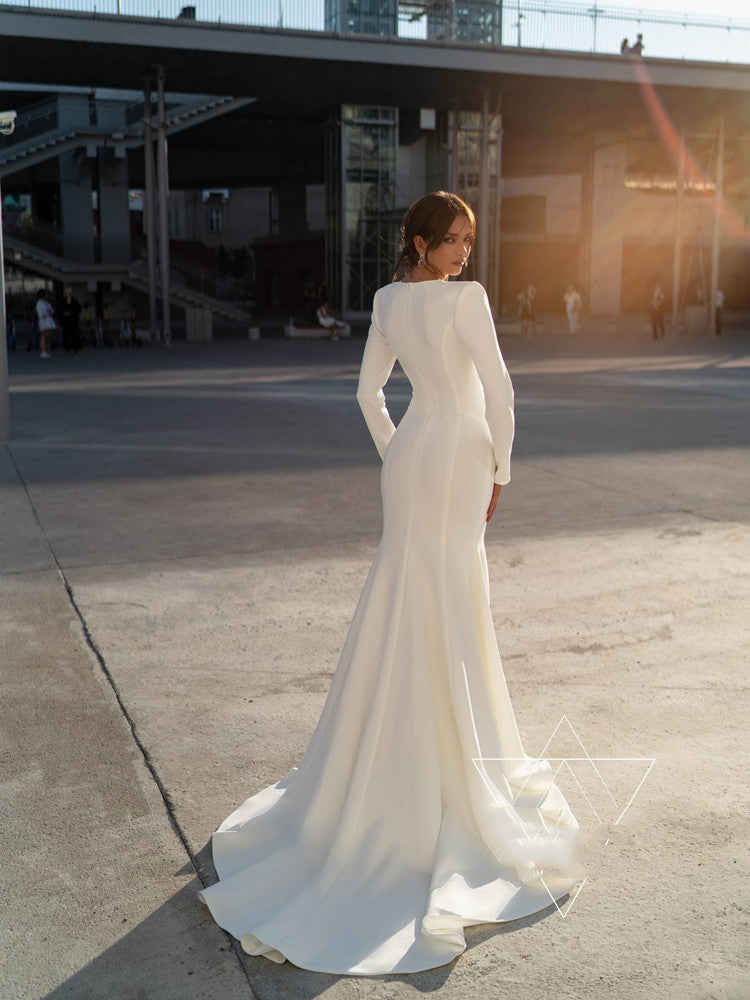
70 321
326 319
719 309
624 47
658 303
573 306
45 322
526 308
10 334
637 48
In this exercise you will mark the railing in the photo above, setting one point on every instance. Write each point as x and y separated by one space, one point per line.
536 24
34 233
188 275
39 234
83 114
67 113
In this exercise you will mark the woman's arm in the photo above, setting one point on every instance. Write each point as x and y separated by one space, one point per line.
377 364
476 329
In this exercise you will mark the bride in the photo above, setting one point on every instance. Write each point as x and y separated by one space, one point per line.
415 811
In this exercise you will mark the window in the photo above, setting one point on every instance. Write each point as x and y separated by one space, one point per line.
215 219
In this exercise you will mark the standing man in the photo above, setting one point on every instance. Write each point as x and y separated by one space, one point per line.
720 299
70 321
658 302
526 308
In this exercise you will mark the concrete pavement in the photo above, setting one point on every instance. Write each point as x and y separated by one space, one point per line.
185 534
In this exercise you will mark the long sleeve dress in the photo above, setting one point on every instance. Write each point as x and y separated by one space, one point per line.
415 810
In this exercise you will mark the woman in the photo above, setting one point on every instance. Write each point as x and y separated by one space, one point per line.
415 811
45 318
325 318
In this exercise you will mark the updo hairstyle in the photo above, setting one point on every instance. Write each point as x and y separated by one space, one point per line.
430 217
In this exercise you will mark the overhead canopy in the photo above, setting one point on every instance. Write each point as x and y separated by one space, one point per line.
552 102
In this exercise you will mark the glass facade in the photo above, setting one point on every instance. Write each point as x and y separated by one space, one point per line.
369 220
465 22
362 17
467 148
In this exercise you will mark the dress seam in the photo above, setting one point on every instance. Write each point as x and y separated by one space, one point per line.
390 654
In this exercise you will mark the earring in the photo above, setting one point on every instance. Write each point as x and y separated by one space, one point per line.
422 262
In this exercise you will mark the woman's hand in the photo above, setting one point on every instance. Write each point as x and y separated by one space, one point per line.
493 502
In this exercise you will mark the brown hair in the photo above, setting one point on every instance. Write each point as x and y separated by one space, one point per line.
430 217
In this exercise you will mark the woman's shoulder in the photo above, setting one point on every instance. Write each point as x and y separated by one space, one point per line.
471 292
390 289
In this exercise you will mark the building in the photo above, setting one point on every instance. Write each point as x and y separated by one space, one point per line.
318 135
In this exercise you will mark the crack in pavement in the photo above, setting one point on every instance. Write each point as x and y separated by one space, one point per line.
143 750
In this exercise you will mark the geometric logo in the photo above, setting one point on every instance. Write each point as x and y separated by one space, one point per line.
599 791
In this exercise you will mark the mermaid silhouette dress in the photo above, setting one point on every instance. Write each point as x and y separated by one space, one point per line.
415 810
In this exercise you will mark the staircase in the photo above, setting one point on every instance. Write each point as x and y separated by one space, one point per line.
182 295
46 262
69 121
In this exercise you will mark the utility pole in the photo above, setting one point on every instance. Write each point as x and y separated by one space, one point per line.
716 247
7 124
453 186
149 208
677 259
498 209
161 167
484 195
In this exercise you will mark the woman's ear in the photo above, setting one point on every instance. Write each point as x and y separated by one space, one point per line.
420 245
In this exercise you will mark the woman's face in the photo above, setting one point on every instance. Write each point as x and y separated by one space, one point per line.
449 258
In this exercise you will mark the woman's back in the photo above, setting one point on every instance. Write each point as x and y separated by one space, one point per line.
419 322
444 337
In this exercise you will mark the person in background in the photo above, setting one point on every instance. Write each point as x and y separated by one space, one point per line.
573 305
720 300
70 320
624 47
658 302
326 318
526 308
45 322
638 47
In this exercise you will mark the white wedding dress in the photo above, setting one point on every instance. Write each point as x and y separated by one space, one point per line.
415 811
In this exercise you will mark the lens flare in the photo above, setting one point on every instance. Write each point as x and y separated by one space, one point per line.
695 177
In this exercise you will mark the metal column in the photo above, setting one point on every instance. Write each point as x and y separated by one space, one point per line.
163 182
677 259
149 211
4 388
716 246
453 185
485 237
498 204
